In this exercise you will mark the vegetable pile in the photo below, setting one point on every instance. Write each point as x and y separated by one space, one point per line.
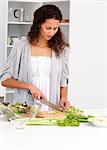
21 108
18 110
72 116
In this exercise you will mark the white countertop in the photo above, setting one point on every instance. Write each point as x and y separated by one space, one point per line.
84 137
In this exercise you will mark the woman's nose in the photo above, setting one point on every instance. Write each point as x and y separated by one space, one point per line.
52 32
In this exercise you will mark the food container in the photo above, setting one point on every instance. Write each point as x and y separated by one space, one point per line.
20 123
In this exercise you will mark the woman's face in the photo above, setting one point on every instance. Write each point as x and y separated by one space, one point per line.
49 28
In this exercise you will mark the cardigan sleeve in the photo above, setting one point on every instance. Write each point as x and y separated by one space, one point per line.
65 68
11 67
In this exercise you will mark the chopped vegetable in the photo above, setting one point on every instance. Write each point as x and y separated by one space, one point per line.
69 117
42 121
73 117
8 113
21 108
18 109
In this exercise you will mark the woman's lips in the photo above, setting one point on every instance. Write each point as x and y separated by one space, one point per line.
49 37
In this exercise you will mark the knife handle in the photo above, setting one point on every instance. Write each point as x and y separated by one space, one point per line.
42 97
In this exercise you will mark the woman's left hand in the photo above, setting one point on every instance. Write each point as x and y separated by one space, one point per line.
64 103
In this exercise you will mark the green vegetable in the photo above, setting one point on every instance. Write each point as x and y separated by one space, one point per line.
68 122
21 108
42 121
73 117
8 113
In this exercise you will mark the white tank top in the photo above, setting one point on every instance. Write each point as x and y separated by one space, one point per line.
41 70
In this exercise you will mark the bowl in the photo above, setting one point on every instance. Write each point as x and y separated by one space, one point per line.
19 123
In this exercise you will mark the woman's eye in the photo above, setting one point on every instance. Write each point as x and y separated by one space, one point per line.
48 28
56 28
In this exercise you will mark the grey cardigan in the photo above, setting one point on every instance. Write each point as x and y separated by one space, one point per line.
19 68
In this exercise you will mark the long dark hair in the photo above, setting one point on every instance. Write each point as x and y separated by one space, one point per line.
57 42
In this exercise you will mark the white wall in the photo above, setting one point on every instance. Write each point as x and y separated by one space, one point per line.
87 59
105 53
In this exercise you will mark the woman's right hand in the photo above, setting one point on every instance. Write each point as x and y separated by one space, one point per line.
36 93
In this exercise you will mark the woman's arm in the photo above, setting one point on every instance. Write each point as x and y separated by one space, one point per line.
64 80
63 92
12 83
63 97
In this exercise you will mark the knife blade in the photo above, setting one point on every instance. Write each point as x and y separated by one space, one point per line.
44 101
51 105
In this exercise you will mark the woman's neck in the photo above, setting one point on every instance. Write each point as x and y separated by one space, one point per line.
42 43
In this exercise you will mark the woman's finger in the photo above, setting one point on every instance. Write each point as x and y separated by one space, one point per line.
39 96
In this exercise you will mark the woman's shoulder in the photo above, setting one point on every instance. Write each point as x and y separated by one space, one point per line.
22 41
20 45
66 51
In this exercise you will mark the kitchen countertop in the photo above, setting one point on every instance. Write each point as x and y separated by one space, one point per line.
84 137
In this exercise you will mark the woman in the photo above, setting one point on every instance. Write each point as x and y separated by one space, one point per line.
39 63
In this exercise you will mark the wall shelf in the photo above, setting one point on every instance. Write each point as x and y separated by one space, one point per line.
29 23
25 23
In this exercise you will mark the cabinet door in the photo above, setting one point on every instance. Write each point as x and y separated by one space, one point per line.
87 64
3 8
3 27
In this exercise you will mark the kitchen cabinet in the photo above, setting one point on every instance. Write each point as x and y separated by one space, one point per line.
3 31
18 18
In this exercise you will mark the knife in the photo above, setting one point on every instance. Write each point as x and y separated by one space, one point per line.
44 101
51 105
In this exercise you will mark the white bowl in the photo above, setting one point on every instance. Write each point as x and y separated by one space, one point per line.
19 123
98 121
